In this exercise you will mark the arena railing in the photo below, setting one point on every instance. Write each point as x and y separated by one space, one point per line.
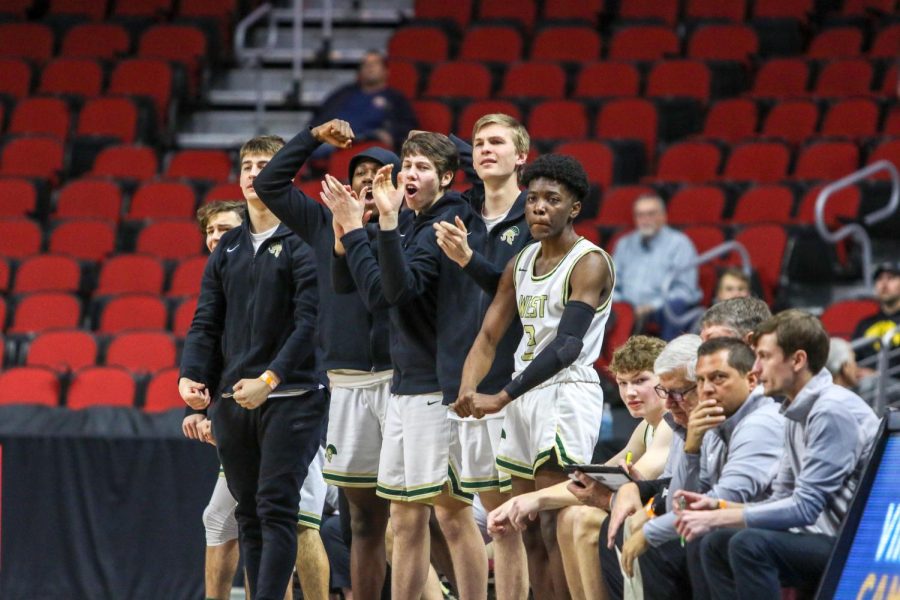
881 361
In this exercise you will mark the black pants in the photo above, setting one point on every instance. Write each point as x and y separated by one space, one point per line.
756 563
664 571
266 454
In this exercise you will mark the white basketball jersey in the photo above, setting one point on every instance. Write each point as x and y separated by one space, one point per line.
541 301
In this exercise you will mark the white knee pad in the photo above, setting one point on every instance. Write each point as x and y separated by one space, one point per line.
218 516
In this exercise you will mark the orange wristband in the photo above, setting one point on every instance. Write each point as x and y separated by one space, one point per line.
723 504
648 508
268 380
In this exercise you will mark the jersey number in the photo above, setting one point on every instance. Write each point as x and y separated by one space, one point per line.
528 330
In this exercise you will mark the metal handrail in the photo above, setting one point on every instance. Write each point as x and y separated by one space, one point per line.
708 256
855 229
883 370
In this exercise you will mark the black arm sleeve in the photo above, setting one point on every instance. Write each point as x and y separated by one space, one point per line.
560 353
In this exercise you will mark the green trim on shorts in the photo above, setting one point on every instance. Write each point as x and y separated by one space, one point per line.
408 494
514 467
309 520
351 480
564 458
506 484
456 487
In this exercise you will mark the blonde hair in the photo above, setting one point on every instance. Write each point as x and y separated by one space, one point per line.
637 354
266 145
520 137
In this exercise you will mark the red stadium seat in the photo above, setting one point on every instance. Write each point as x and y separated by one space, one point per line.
229 191
475 110
339 161
162 199
89 9
404 77
87 239
126 162
183 315
793 121
63 350
629 119
533 80
887 150
695 162
459 12
15 77
827 160
19 237
131 312
46 310
861 8
723 42
148 77
704 237
432 115
616 205
841 318
762 162
96 40
836 42
766 245
4 287
109 117
781 78
153 9
764 204
47 273
783 9
558 120
596 158
33 41
523 12
664 11
170 239
842 78
101 386
696 205
588 230
187 276
131 273
142 351
644 42
2 312
854 117
162 392
492 43
733 10
47 116
16 8
842 207
607 80
29 385
419 43
889 83
33 156
183 44
470 80
206 165
82 77
566 10
686 78
566 44
887 43
730 120
622 328
91 198
18 197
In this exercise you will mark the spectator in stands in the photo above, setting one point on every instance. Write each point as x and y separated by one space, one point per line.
737 317
645 258
374 110
751 551
733 283
845 372
887 291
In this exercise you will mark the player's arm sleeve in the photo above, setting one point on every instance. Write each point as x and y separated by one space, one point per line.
302 341
203 340
364 270
404 280
275 187
560 353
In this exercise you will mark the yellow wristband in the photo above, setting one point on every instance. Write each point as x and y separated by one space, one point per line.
268 380
723 504
648 508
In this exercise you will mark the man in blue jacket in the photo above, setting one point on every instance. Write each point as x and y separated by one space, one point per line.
257 309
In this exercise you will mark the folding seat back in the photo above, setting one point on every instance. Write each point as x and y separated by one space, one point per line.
19 237
734 10
644 42
131 312
87 239
162 199
101 386
470 80
781 78
841 318
783 9
704 237
845 78
18 197
62 350
887 150
142 351
48 116
232 191
33 41
29 385
459 13
16 9
827 160
623 327
96 40
700 205
143 8
564 10
432 115
94 11
148 77
630 119
842 207
836 42
887 43
179 43
663 11
48 273
596 158
558 120
607 80
853 117
34 156
616 207
489 43
731 120
109 117
695 162
764 204
723 42
46 310
207 165
81 77
162 392
15 77
183 315
170 239
5 272
126 162
766 245
90 198
187 276
419 43
475 110
534 80
566 44
763 162
685 78
404 77
862 8
793 121
523 12
131 273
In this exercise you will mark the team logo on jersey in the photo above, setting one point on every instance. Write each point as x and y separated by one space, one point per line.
275 249
509 236
503 434
330 451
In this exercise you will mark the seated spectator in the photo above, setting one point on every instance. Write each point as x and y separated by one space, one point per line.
842 366
737 317
751 551
887 291
732 283
374 110
645 258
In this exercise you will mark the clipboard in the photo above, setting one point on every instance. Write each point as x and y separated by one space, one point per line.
611 477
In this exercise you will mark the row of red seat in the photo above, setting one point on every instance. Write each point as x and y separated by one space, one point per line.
90 387
779 78
580 44
43 311
98 9
114 117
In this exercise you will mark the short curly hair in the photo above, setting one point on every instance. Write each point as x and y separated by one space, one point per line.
637 354
558 167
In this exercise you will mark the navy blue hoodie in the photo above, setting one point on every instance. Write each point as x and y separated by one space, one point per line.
350 335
